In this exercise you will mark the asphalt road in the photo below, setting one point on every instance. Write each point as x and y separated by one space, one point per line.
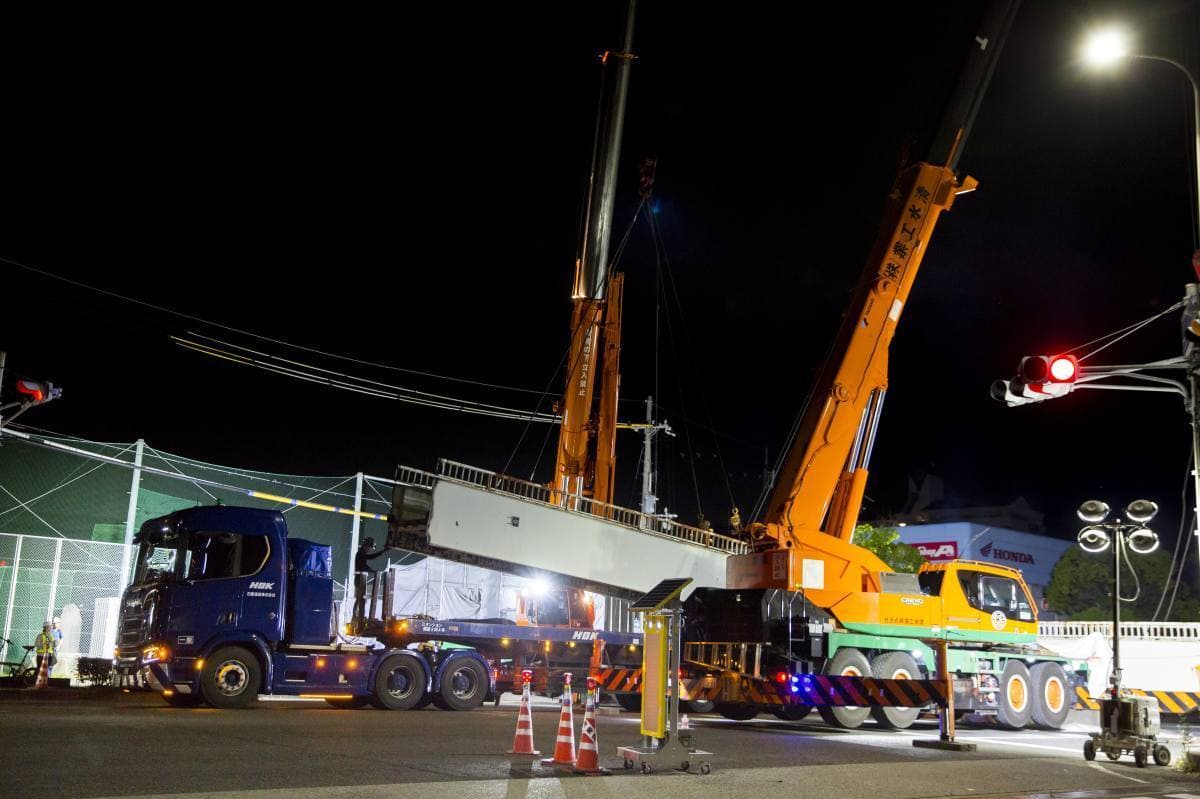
140 748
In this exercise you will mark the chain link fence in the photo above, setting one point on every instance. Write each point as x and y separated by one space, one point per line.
69 509
69 506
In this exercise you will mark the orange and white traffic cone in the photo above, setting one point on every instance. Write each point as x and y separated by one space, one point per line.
43 678
523 740
589 754
564 744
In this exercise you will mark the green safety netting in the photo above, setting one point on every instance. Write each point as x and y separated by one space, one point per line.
63 519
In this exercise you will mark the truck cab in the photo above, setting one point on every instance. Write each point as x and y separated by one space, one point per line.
224 606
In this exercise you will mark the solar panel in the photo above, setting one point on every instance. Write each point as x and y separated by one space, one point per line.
658 596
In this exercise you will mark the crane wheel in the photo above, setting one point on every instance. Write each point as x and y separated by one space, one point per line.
895 666
848 662
1016 697
1051 697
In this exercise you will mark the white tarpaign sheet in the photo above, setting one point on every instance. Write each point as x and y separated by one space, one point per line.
1146 665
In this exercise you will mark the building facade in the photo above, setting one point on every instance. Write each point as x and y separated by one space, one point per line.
1034 555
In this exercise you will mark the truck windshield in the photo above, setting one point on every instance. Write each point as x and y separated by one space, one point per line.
159 556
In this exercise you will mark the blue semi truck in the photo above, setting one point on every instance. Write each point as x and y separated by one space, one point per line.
224 606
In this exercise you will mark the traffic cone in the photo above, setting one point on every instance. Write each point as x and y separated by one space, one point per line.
589 754
564 745
43 678
684 724
523 740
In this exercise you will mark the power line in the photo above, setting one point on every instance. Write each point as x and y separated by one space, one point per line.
258 336
345 382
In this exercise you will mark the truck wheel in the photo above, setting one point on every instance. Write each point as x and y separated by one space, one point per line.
630 702
349 702
1139 756
1050 704
895 666
847 662
183 700
232 677
735 711
464 684
399 683
697 706
791 712
1015 696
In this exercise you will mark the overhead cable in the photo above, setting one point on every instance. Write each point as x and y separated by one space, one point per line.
259 336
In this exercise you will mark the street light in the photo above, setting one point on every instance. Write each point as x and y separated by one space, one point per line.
1108 47
1118 535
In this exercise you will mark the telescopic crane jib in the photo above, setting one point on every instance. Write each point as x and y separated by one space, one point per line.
587 438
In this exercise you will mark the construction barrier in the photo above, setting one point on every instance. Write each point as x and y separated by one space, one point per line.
1177 702
826 691
615 680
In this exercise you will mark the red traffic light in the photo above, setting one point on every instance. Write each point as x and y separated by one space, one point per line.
1037 369
36 391
1064 368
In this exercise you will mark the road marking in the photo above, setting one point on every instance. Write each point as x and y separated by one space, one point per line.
1183 796
1117 774
1022 743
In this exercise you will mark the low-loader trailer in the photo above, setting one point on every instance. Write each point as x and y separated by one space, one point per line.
224 606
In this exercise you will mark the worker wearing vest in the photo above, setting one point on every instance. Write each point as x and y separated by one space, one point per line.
44 646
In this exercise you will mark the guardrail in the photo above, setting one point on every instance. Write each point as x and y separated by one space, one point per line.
1150 630
626 517
415 477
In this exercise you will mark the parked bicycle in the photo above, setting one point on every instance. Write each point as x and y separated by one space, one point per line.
21 672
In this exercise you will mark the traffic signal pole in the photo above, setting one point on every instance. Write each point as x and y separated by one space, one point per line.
1192 355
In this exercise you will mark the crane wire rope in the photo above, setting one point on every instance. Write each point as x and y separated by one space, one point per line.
576 329
687 433
691 353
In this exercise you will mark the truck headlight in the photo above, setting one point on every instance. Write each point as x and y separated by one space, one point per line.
156 653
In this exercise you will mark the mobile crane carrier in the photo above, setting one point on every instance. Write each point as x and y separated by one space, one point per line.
807 601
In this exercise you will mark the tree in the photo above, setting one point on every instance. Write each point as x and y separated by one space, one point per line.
885 542
1081 586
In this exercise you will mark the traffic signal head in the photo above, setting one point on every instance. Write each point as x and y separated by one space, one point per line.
1064 368
1049 369
37 391
1018 392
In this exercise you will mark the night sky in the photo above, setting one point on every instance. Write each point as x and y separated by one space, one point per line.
406 190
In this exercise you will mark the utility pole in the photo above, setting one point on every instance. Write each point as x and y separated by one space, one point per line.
649 430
